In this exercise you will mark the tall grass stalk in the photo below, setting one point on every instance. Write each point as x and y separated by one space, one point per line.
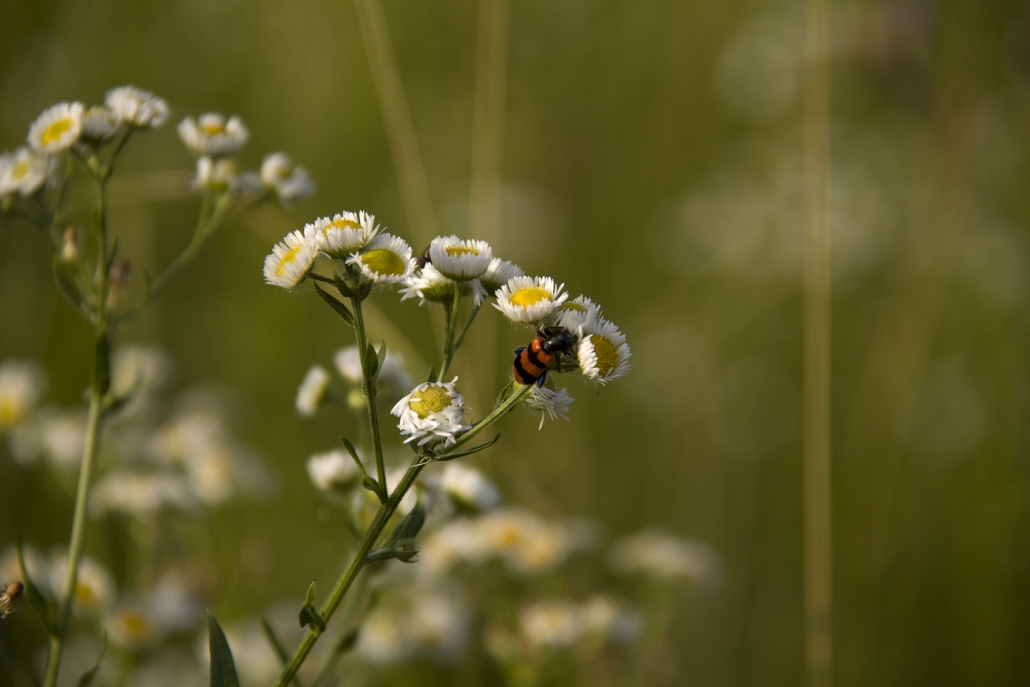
818 570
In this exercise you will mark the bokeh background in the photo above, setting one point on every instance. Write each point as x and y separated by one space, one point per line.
651 161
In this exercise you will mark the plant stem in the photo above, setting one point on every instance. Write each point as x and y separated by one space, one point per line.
376 529
369 384
211 216
96 398
451 325
460 338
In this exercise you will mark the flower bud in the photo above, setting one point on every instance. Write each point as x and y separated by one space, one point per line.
11 598
118 281
70 246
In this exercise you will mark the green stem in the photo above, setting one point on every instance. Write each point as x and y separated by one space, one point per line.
460 338
369 387
376 529
352 614
451 325
210 220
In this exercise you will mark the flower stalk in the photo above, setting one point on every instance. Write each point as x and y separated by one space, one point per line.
369 387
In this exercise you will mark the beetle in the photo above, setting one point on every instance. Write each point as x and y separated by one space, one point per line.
533 361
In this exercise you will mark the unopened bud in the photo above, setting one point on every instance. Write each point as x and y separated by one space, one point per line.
70 245
118 281
11 598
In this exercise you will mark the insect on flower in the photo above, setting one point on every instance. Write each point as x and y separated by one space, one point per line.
533 361
424 259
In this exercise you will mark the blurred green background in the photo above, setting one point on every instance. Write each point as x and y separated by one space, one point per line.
652 162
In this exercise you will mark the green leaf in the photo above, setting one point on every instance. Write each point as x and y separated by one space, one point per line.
341 286
405 551
469 452
64 277
381 355
412 523
366 481
371 362
39 603
87 678
308 615
223 670
336 305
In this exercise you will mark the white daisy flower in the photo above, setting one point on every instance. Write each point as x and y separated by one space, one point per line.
132 626
62 435
139 494
348 363
385 638
288 181
213 134
218 175
94 586
469 488
524 541
343 234
527 300
499 273
434 410
431 286
553 624
603 352
550 404
23 172
290 261
660 554
457 541
219 471
608 619
139 369
22 383
332 470
387 260
57 128
439 627
460 260
312 391
571 314
98 123
136 107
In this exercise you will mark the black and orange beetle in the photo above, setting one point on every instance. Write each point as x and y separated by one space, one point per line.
533 361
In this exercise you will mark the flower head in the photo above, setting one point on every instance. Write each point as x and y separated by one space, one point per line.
94 586
23 172
290 261
525 542
332 470
603 352
288 181
218 175
554 624
551 404
384 638
460 260
608 619
132 626
57 128
662 555
213 134
387 260
22 382
98 123
342 234
498 273
139 494
469 488
312 391
136 107
528 300
572 314
11 598
439 627
434 410
431 286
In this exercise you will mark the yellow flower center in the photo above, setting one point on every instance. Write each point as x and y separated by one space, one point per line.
343 224
291 256
530 296
573 306
509 535
20 169
432 399
53 133
460 250
607 355
135 624
383 261
83 593
212 128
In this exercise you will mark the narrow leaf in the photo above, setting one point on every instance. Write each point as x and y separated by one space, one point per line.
336 305
87 678
64 278
309 597
406 554
308 614
371 362
381 355
412 523
432 374
39 603
469 452
223 670
341 286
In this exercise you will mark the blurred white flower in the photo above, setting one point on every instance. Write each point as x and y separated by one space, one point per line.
24 172
213 134
603 352
312 391
456 542
550 404
290 261
386 260
141 495
94 587
432 411
608 619
132 626
524 541
439 626
469 488
553 624
62 436
57 128
348 363
289 182
217 174
136 107
663 555
332 470
498 273
385 638
528 300
22 383
174 601
460 260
